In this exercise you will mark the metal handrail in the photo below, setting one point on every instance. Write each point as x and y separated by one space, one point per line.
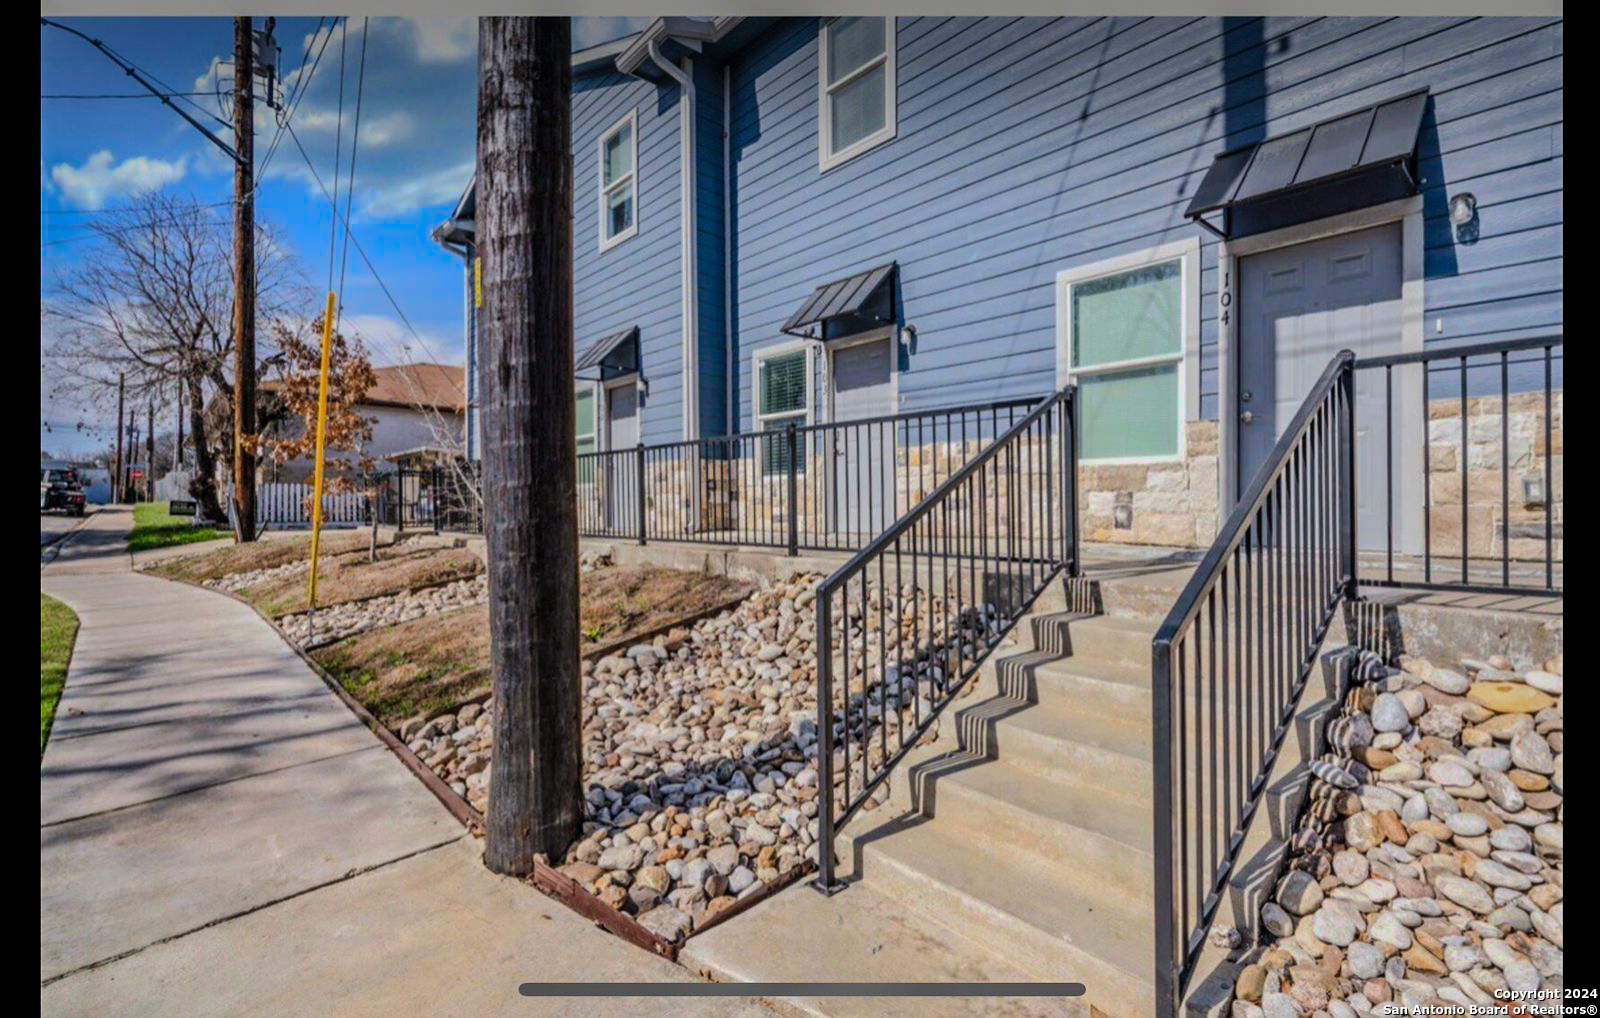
1279 595
1033 539
916 512
1232 531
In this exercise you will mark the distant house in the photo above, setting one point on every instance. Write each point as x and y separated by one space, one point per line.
812 220
418 413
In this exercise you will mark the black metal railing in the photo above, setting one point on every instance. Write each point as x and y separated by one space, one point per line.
814 487
1454 517
1232 656
905 624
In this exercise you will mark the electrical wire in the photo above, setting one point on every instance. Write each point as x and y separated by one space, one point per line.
350 186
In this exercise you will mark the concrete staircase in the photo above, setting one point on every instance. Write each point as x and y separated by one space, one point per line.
1030 835
1015 843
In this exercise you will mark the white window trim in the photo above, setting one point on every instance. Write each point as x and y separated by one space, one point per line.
592 390
629 120
827 159
1187 253
801 418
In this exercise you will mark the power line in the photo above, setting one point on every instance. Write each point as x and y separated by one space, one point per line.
350 187
362 251
123 95
133 72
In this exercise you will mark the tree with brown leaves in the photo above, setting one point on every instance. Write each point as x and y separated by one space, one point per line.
294 395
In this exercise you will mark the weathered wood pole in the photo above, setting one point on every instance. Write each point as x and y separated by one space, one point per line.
244 281
529 451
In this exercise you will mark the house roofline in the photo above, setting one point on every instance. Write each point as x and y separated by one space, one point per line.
625 55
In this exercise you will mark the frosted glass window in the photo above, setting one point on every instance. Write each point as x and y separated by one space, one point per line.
1126 358
1130 414
586 435
857 70
1129 316
619 180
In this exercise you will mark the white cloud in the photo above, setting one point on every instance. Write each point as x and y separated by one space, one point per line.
97 182
442 40
409 194
389 342
588 32
376 131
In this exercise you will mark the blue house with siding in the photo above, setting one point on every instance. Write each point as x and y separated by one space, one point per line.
803 219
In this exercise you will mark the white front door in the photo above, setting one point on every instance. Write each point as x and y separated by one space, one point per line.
863 482
1298 307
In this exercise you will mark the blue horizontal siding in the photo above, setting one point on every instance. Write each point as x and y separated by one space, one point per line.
1028 146
637 282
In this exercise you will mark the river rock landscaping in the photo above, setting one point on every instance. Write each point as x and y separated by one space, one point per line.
1428 869
700 746
338 621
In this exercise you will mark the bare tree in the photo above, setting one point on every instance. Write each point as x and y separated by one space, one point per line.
152 297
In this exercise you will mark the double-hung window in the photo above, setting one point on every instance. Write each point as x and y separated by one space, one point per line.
857 81
783 397
619 181
587 435
1127 332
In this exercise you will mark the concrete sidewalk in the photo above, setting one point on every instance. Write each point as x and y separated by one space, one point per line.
219 835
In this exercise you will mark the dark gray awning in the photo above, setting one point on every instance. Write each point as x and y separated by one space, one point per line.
1345 162
614 355
863 300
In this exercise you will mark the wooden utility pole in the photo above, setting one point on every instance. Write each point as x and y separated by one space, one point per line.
116 470
244 281
530 442
178 448
150 454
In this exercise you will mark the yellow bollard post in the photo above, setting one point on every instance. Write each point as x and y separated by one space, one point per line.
322 437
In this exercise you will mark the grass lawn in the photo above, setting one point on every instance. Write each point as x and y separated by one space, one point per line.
58 628
353 577
155 527
437 662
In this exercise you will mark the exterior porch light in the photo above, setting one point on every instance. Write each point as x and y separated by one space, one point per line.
1463 208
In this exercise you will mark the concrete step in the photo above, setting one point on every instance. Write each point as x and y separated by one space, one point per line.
1044 918
863 935
1088 686
1054 739
1068 822
1111 639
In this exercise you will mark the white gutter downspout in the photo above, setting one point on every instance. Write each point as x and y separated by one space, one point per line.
690 259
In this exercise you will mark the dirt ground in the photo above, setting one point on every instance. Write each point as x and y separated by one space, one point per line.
437 662
351 577
245 558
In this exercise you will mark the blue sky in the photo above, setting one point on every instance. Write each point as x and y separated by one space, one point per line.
418 124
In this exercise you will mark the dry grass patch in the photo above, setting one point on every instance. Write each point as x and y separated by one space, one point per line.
434 663
352 577
264 554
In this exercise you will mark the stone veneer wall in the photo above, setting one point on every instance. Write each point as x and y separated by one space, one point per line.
1157 504
1527 457
1166 504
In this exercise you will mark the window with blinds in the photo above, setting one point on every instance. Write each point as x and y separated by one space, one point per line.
783 396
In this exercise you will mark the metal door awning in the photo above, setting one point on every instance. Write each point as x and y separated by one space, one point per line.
864 300
1343 163
611 356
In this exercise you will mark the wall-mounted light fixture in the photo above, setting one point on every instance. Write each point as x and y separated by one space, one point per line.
1463 208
